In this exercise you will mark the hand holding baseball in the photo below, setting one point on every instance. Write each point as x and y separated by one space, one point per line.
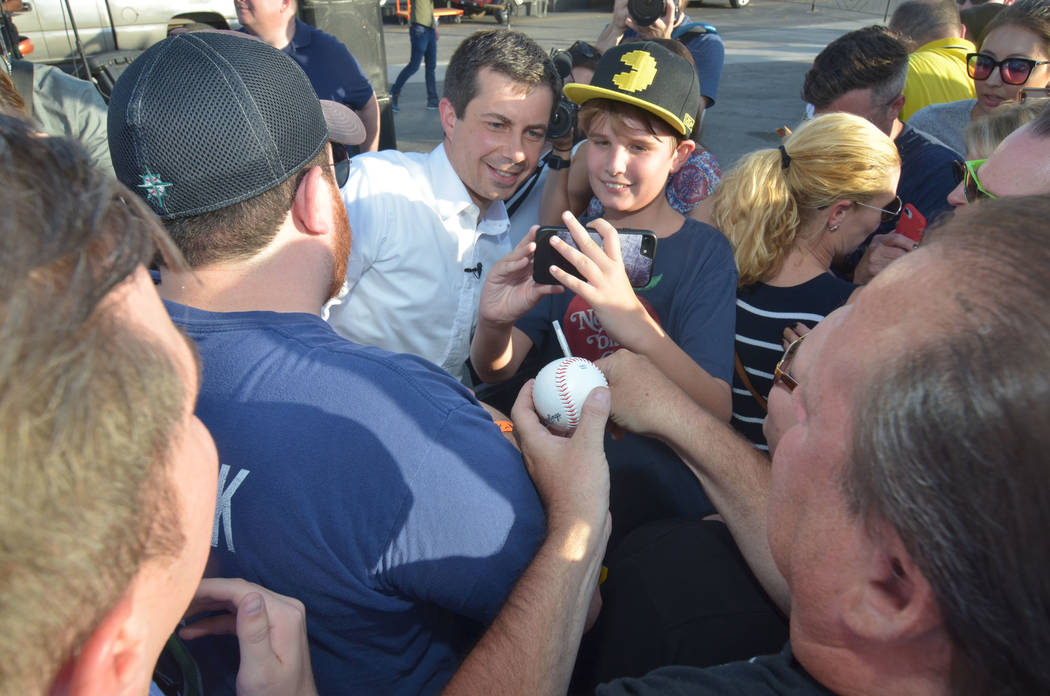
561 389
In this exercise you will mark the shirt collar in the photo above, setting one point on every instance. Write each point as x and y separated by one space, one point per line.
956 43
453 199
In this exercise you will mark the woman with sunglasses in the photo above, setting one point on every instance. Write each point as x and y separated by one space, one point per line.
1015 54
789 212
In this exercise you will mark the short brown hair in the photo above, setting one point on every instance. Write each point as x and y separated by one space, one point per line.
618 111
239 231
509 53
87 407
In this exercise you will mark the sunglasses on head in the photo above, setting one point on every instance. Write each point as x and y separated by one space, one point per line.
1012 71
966 174
341 162
584 49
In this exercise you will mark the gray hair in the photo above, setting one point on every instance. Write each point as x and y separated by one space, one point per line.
951 440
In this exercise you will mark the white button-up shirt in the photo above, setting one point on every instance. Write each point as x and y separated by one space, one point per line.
416 233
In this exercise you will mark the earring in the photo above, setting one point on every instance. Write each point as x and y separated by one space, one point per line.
832 228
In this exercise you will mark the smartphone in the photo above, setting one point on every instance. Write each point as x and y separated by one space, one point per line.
911 224
638 248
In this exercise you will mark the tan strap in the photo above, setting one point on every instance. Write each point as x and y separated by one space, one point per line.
742 374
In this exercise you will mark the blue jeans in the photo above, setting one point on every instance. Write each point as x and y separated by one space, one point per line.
424 46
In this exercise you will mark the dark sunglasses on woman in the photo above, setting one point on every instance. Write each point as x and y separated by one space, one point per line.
1012 71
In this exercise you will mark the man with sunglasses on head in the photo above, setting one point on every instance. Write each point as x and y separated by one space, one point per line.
864 72
1020 166
371 486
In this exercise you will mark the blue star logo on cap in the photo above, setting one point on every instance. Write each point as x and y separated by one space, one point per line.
156 188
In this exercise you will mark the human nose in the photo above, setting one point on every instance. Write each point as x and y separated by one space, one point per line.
957 196
513 147
617 160
995 77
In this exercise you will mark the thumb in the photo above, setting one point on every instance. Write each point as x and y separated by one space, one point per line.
253 630
593 416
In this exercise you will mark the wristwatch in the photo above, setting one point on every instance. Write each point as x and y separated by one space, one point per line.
555 162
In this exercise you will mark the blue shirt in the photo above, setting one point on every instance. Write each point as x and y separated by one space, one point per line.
334 73
371 486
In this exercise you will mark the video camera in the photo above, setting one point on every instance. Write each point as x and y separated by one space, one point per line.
563 121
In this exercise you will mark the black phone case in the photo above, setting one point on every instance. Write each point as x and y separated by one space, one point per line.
638 248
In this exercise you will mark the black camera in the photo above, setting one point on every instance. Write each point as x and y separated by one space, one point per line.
564 119
645 12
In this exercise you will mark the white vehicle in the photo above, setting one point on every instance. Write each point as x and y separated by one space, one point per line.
109 25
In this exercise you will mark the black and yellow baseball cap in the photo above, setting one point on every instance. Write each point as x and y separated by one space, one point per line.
649 76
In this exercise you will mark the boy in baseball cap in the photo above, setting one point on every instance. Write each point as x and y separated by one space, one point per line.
639 112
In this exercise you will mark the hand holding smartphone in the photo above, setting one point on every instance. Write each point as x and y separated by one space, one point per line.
637 247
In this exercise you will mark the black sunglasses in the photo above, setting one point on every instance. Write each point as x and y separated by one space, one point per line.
341 162
890 212
1012 71
584 49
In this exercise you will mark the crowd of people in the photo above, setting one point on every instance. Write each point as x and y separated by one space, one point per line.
234 347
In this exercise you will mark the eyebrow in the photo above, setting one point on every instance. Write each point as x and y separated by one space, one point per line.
497 117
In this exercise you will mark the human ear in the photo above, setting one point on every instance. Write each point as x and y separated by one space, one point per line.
311 206
893 600
836 213
681 154
448 116
110 660
897 105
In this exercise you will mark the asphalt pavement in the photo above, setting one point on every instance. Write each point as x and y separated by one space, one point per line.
769 46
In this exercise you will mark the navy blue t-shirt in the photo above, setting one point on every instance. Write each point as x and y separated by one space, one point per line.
771 675
372 486
927 175
692 296
334 73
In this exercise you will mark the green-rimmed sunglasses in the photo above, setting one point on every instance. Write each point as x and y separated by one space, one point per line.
966 174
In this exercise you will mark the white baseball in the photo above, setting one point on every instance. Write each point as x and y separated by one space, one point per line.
561 388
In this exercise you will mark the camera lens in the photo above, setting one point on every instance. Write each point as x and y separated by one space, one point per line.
563 120
645 12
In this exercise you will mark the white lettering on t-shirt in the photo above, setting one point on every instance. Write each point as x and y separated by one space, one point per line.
223 505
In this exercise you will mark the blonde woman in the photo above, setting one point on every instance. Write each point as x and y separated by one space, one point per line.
789 212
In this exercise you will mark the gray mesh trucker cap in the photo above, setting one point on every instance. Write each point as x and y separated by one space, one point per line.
203 120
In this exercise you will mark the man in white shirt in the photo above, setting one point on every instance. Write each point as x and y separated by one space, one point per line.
427 227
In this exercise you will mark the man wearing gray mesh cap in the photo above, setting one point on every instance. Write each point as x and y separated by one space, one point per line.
344 480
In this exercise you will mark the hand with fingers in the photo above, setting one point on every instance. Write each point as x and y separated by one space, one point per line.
570 473
791 333
270 630
605 285
884 249
509 291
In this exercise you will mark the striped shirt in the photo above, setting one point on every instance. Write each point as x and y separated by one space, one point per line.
762 313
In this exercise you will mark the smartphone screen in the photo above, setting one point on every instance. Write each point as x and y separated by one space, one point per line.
637 247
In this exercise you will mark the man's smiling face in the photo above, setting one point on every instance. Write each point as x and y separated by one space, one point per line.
497 142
